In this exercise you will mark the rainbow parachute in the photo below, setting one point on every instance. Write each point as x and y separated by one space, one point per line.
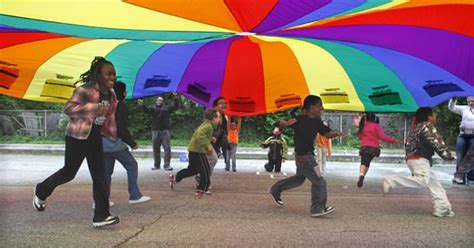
358 55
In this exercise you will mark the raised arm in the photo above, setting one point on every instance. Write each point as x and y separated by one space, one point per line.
453 107
147 110
175 102
228 123
239 121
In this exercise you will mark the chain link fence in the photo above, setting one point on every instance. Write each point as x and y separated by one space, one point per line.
395 125
53 122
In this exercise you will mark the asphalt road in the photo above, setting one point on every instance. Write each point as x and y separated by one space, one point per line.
240 212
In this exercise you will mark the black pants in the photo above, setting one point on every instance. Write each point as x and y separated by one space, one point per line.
198 164
76 151
273 163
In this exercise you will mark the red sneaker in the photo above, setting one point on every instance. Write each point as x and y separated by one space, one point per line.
199 193
172 181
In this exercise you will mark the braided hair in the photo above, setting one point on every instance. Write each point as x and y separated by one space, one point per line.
92 76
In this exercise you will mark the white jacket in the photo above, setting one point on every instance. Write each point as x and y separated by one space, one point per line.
467 122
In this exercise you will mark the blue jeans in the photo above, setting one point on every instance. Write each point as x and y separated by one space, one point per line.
130 164
463 143
231 155
306 168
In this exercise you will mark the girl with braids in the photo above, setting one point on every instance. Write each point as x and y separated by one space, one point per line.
91 111
370 132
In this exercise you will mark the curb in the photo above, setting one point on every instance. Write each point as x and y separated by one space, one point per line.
389 156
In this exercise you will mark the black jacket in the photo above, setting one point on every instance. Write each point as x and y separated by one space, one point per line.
121 118
278 147
220 133
161 115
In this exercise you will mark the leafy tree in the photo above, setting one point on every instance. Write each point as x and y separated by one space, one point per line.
12 103
189 115
448 122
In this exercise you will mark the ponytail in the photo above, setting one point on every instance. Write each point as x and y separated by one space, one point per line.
366 117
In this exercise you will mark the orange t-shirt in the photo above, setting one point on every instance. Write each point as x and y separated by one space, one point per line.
233 134
322 141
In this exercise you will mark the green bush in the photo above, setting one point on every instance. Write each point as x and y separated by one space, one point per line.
189 115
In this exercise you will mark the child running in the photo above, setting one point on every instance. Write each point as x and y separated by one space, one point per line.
117 150
306 127
422 142
370 132
199 146
91 111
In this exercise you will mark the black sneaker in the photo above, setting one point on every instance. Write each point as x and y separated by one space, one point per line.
361 181
111 220
38 204
276 199
169 168
155 168
327 210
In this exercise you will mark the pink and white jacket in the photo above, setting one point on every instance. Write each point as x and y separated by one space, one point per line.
82 109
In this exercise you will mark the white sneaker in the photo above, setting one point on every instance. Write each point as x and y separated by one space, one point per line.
38 204
447 213
386 186
140 200
111 220
327 210
111 204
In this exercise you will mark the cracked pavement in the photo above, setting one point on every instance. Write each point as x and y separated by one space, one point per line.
240 212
